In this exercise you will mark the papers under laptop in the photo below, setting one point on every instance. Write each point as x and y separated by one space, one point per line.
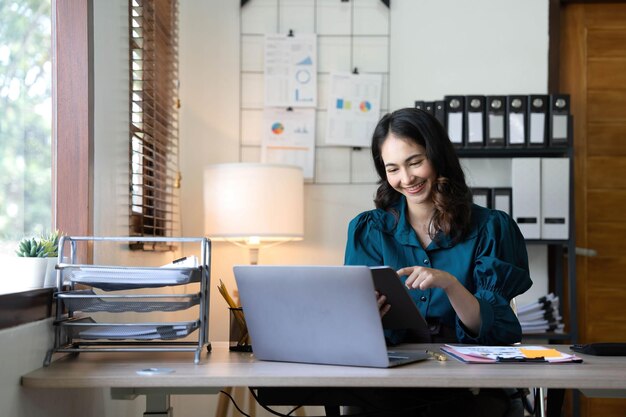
317 314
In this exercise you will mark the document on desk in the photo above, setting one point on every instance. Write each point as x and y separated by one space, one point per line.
508 354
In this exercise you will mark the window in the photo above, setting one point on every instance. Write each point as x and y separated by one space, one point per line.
154 181
25 120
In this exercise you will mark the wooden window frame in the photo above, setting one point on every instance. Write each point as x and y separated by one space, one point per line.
72 148
73 120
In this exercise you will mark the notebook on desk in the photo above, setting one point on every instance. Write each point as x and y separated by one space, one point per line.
316 314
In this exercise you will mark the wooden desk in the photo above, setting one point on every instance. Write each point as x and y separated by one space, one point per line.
598 376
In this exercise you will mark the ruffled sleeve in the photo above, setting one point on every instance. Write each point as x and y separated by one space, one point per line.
500 273
364 240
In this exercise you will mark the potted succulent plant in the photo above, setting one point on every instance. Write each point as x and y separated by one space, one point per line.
51 243
36 261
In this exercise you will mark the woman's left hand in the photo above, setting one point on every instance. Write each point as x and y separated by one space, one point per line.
424 278
383 307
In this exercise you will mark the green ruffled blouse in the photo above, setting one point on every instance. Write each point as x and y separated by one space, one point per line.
491 262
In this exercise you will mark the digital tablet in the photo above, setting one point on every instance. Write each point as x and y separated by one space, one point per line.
403 314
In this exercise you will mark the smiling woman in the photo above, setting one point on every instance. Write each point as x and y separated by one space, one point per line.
25 120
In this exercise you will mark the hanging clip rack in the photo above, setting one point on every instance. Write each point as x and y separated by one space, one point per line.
355 71
385 2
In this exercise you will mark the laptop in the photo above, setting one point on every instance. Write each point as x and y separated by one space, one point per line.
316 314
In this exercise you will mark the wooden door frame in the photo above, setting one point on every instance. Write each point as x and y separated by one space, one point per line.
578 108
554 42
555 15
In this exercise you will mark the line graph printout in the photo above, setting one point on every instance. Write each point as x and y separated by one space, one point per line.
290 70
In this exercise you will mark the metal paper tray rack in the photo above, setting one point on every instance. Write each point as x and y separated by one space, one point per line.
101 289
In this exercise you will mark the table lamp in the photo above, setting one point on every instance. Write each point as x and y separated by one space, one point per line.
253 205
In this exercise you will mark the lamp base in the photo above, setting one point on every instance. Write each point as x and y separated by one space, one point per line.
254 255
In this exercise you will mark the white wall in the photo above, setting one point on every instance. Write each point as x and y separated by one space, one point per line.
467 47
437 48
23 349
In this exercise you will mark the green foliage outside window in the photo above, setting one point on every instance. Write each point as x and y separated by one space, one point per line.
25 119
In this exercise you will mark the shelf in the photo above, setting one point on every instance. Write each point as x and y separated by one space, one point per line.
549 336
512 152
563 242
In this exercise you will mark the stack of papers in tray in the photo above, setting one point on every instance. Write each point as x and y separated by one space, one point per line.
508 354
120 278
137 332
541 316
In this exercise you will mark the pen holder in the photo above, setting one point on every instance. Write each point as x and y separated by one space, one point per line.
239 337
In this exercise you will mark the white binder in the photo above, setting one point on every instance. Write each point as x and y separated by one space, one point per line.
526 184
555 180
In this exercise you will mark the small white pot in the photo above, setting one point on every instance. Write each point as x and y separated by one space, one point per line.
51 273
25 274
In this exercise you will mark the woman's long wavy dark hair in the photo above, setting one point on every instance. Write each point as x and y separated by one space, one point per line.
451 195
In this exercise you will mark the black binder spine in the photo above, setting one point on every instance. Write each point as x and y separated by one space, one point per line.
440 112
560 132
474 121
502 199
538 120
455 109
481 196
429 106
517 121
495 121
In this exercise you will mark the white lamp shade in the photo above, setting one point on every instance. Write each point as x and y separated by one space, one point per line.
253 203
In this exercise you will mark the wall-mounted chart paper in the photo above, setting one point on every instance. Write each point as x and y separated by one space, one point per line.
353 108
290 70
289 138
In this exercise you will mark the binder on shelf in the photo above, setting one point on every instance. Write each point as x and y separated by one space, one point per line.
482 196
538 112
501 200
475 121
555 198
495 122
427 106
440 112
560 133
455 107
526 184
517 120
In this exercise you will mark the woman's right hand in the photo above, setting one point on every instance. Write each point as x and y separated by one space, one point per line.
383 307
